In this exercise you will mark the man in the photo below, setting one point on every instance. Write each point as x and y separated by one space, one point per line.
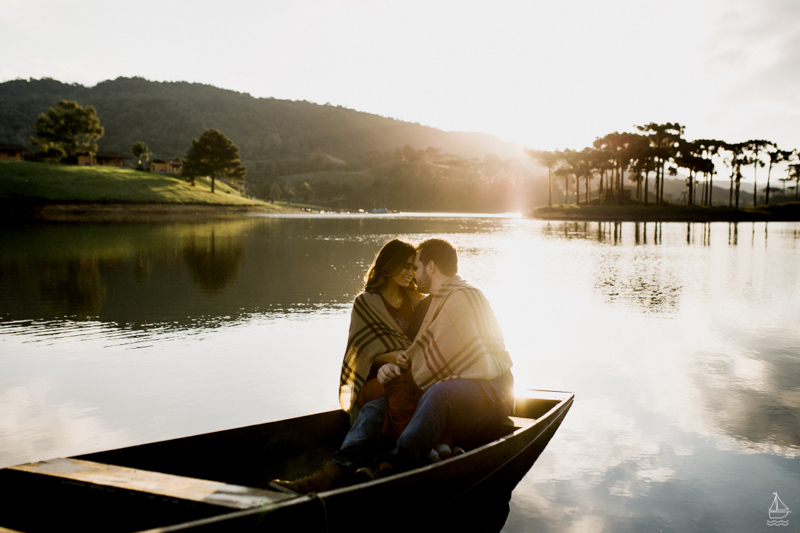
458 360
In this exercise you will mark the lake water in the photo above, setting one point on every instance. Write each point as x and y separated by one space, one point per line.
680 341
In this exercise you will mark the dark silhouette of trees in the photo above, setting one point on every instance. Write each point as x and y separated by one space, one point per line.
664 139
214 156
793 173
776 155
549 160
738 159
585 163
690 157
642 157
754 149
708 149
660 148
67 131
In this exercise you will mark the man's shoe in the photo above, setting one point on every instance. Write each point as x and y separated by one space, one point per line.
384 470
363 475
444 451
323 479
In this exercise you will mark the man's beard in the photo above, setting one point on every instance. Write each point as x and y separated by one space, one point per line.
424 283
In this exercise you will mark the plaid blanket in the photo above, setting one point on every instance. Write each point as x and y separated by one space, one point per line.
460 338
373 331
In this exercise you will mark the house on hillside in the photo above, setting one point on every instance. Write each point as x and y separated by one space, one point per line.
11 152
102 159
166 167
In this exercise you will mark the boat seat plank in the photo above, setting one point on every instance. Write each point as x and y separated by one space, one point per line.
156 483
520 422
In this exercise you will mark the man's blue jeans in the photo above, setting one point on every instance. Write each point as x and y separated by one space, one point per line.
462 407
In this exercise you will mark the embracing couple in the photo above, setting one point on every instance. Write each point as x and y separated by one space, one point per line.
419 373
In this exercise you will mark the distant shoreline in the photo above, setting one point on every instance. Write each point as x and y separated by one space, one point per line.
130 212
786 212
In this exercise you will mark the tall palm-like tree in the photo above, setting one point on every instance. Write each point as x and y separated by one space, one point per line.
549 160
604 165
664 140
584 161
793 173
709 149
736 160
776 156
754 148
642 163
598 164
617 146
564 171
690 157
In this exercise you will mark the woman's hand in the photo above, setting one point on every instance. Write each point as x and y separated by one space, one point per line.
388 372
397 357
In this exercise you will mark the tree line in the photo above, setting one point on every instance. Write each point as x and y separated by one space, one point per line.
660 149
276 138
69 130
405 178
410 179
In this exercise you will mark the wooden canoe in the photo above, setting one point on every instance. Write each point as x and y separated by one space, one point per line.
220 481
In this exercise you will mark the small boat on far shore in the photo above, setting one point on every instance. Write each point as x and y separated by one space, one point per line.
220 481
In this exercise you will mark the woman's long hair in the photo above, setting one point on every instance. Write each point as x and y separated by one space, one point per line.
388 262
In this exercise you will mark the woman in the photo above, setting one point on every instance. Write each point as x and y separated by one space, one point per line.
380 331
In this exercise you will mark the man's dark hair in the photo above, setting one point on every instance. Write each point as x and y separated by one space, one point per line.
440 252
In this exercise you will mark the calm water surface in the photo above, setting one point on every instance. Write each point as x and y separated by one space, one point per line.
680 341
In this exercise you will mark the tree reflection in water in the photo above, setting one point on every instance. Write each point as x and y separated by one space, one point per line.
73 288
213 261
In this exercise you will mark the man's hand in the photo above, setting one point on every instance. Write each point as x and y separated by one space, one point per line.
388 372
397 357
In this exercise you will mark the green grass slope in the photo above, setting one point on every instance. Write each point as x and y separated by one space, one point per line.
40 183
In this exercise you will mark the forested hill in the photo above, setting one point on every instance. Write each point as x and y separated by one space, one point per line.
168 115
277 138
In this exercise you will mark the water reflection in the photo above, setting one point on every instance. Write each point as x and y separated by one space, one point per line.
642 279
679 340
751 398
173 274
73 288
213 262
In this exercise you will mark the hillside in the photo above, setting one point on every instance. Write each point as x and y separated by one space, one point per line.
70 192
276 138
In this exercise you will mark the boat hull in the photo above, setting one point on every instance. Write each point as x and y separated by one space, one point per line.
219 481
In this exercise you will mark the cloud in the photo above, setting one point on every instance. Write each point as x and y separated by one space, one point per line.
753 52
35 425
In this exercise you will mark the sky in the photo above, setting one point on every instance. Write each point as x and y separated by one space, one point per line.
547 74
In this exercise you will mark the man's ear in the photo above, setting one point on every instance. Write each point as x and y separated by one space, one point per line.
430 268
